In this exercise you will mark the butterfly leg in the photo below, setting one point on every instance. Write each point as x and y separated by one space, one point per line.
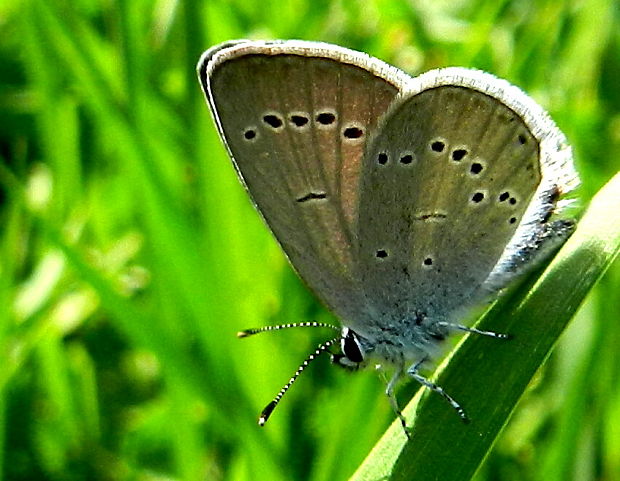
460 327
413 372
389 391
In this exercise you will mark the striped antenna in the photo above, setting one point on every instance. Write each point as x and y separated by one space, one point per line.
264 415
251 332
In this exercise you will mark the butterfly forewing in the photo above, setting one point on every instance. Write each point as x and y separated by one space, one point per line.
296 126
456 170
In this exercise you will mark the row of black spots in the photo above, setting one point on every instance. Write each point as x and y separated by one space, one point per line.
405 158
457 155
383 254
300 120
479 196
408 158
438 146
507 197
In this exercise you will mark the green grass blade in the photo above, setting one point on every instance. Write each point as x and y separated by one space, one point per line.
487 376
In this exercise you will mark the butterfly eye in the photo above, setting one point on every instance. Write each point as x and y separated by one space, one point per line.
351 346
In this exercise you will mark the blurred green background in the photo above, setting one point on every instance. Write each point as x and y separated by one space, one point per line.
130 255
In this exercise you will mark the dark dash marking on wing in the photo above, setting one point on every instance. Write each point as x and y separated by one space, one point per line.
312 196
429 216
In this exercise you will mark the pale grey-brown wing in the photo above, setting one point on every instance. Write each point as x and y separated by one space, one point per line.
296 122
445 185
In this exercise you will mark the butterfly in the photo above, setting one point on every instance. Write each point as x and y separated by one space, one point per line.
401 201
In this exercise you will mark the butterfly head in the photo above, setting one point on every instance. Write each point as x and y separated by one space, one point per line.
353 352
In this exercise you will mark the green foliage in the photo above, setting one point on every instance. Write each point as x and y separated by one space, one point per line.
130 256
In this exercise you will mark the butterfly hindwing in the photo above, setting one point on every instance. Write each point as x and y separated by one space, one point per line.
445 185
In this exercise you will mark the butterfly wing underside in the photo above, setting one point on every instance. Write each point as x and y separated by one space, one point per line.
296 125
450 174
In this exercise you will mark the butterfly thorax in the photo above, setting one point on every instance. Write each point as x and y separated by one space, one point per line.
393 344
